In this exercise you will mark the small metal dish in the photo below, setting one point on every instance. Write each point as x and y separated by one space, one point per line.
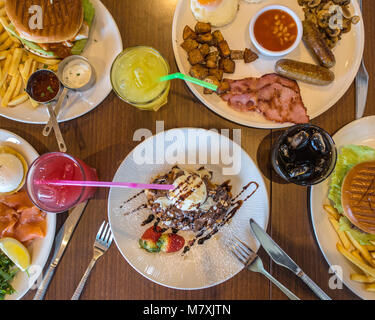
32 78
63 64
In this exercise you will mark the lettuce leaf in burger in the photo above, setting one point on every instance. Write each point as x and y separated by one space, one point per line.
349 159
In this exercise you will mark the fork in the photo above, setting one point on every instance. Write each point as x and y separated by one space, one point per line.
253 263
102 242
362 81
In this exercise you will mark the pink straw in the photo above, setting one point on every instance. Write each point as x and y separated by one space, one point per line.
106 184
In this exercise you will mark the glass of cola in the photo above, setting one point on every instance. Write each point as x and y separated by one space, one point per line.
304 154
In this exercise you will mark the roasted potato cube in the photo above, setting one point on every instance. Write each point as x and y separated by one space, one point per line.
212 59
223 87
204 49
198 71
202 27
224 49
249 56
218 37
236 54
195 57
227 65
213 80
211 63
188 33
217 73
205 38
189 44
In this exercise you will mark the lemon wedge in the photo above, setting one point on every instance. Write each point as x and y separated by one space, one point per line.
16 252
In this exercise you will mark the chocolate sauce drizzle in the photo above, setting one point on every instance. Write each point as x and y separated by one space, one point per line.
132 198
201 237
204 234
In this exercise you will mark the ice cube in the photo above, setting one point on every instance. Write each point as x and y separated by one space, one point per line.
320 165
301 172
140 77
318 144
299 140
286 154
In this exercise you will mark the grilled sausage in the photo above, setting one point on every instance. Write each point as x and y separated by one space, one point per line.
305 72
314 41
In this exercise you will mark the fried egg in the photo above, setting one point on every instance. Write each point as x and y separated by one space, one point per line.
217 12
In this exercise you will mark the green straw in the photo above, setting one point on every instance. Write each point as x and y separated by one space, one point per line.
181 76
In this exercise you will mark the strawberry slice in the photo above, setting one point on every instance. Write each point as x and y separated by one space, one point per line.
150 238
170 242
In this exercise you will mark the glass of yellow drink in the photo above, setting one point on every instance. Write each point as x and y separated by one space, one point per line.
135 78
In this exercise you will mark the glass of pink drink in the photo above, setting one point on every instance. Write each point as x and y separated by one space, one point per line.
59 166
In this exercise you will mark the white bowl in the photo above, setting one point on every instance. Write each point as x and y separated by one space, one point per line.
263 50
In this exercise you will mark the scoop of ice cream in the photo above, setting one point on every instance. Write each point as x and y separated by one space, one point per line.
11 172
189 193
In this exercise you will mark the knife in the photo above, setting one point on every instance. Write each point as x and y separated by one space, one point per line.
282 259
361 84
61 242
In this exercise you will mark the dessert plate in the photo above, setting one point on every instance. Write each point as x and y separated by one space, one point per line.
359 132
40 248
104 44
204 265
317 99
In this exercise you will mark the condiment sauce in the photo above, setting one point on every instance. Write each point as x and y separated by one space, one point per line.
275 30
43 86
77 74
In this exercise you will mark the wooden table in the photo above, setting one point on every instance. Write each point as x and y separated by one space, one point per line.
104 137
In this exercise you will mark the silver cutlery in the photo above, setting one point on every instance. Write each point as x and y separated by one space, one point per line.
282 259
48 127
68 86
56 128
61 242
361 83
102 242
253 263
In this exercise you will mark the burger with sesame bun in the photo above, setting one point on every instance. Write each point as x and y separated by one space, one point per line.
63 25
352 190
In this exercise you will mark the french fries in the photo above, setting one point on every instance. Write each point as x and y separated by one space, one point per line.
343 237
362 278
16 59
362 256
16 66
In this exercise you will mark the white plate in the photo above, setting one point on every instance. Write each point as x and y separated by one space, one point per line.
39 248
104 45
204 265
360 132
348 52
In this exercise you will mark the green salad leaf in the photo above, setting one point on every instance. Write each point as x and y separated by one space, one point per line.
29 44
89 11
349 157
7 273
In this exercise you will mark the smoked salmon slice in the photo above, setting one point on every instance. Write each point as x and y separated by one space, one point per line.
20 219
